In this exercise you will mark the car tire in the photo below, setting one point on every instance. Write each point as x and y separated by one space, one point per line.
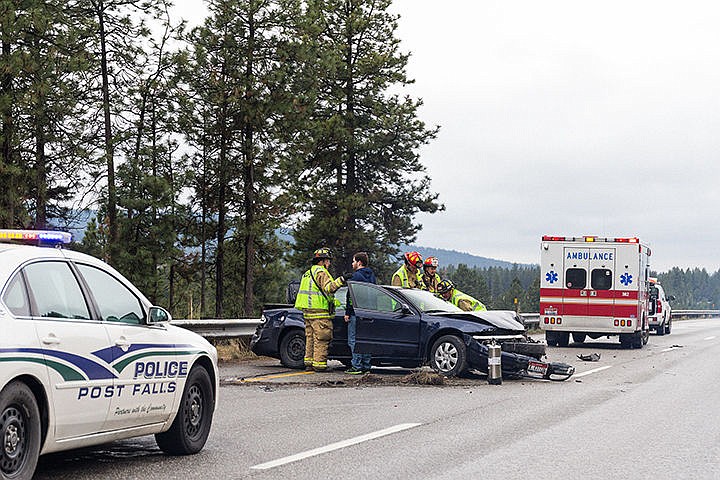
448 356
660 330
191 427
563 339
292 349
668 327
19 431
579 337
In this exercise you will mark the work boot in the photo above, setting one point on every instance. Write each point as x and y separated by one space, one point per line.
354 371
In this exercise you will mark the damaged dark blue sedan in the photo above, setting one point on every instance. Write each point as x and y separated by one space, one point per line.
411 328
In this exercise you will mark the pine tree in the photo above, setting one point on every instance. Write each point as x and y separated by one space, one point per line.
245 102
363 178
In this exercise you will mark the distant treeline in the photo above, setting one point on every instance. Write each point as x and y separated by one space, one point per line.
498 287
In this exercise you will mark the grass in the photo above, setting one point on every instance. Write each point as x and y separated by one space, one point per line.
233 349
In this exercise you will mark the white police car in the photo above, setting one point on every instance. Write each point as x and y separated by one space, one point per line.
86 359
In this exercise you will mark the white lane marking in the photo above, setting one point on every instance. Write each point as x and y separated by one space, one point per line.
594 370
669 348
335 446
709 338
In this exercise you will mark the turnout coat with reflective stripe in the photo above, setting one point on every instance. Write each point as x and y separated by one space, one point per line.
466 302
310 299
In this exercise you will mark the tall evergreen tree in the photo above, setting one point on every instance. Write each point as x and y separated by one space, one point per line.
245 99
364 181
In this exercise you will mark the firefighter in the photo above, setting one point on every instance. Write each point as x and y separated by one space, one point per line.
408 275
430 277
315 299
465 302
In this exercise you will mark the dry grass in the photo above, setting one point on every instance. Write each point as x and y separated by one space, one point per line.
424 377
233 349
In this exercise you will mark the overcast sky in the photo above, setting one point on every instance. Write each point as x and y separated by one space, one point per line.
569 118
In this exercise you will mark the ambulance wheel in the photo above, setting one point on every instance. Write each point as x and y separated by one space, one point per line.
563 339
579 337
191 427
448 356
19 431
292 349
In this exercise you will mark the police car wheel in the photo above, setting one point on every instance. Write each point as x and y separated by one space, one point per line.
448 356
19 432
191 427
292 349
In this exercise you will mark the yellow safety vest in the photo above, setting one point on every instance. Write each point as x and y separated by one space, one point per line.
309 296
403 274
474 303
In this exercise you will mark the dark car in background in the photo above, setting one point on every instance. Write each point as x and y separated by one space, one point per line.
409 328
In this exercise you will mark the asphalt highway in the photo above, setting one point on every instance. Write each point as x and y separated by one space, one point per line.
635 414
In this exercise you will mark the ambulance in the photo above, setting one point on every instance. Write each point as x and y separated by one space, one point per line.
594 287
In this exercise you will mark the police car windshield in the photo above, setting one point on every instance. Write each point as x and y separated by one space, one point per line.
427 302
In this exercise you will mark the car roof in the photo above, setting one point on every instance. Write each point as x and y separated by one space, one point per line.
12 256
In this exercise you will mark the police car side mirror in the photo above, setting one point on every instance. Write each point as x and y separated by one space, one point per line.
158 315
671 298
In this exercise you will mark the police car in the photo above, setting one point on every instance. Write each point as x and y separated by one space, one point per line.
86 359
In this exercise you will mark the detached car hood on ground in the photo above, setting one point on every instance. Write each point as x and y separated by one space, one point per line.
501 319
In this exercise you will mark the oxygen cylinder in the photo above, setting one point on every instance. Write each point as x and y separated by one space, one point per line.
494 364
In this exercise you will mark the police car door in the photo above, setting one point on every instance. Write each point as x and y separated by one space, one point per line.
80 383
142 356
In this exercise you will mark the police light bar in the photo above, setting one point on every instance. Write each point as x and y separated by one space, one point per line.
42 237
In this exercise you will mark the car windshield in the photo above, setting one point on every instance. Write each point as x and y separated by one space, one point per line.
427 302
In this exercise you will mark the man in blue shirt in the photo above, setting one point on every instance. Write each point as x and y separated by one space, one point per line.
361 273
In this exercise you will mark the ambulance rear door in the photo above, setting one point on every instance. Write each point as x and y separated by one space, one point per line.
588 281
601 301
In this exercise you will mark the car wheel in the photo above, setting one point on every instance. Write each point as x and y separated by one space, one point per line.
292 349
448 356
660 329
563 339
20 432
191 426
668 327
579 337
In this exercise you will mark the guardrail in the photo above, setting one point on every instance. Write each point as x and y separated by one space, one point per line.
245 327
220 328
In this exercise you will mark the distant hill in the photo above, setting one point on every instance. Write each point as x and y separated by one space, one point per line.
453 257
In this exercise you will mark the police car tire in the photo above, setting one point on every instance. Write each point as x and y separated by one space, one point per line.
189 430
292 349
447 348
19 412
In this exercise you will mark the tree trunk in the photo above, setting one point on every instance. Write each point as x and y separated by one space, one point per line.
249 174
109 147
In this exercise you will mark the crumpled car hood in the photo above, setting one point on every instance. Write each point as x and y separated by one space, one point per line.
501 319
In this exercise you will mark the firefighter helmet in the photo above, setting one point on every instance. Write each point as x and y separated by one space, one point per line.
445 286
322 254
413 258
430 262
